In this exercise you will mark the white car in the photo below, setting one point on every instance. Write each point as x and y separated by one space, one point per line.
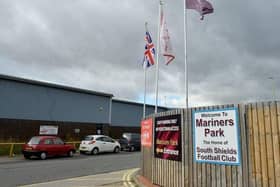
95 144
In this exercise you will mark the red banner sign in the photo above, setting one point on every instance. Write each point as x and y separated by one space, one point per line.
146 132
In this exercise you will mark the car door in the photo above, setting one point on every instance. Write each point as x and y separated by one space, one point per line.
48 146
101 144
110 144
59 146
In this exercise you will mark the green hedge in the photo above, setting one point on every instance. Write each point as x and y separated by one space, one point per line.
5 149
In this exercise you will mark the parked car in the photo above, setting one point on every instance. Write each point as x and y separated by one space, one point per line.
130 141
95 144
46 146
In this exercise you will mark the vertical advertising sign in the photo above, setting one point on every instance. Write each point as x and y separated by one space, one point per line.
167 139
216 136
147 132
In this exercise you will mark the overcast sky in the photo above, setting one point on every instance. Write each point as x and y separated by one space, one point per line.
99 45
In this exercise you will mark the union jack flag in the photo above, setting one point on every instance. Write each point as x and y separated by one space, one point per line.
150 51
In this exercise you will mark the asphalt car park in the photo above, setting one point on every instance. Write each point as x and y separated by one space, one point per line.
19 171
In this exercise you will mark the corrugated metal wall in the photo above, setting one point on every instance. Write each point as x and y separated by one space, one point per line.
129 114
33 102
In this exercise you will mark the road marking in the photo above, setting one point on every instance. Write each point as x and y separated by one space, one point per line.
93 179
127 178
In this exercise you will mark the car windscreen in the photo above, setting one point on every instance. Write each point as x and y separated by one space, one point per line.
126 136
88 138
136 136
123 140
34 140
131 136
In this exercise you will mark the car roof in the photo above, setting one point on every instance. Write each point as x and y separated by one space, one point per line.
130 133
96 136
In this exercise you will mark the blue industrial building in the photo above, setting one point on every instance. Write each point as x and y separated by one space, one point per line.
126 116
26 104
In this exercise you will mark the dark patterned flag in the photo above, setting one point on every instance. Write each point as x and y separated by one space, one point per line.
202 6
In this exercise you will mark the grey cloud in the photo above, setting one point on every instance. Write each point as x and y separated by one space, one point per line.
99 45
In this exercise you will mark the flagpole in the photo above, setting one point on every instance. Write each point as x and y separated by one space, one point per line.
145 82
158 51
144 106
185 57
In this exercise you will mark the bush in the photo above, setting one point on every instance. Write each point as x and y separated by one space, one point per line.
5 149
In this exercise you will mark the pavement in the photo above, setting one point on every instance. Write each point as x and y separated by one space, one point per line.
123 178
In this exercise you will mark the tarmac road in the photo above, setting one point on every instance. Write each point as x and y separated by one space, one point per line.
18 171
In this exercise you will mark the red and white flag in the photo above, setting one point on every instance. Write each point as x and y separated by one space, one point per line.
201 6
166 48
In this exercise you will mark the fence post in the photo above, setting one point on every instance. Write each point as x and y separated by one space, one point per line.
11 150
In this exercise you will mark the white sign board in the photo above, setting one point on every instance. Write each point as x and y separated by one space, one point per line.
48 130
216 136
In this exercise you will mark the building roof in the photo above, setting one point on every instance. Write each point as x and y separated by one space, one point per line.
52 85
136 103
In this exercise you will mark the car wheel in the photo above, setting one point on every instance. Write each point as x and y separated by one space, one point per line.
132 149
26 156
43 155
117 150
71 153
95 151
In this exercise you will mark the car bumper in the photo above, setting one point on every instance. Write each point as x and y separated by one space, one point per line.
85 148
128 147
30 153
125 147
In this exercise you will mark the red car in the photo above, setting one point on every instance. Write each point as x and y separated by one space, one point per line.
45 146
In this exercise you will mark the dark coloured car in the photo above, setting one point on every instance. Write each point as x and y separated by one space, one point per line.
47 146
130 141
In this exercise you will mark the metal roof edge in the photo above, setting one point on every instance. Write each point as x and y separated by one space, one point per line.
135 103
53 85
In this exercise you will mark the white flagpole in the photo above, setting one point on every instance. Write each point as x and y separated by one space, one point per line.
185 52
158 51
144 107
145 84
